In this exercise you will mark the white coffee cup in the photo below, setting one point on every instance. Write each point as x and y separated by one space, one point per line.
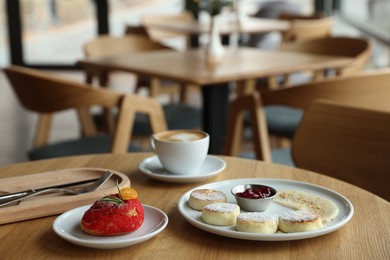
181 152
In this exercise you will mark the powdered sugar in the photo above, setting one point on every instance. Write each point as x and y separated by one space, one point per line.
299 216
222 207
208 195
257 217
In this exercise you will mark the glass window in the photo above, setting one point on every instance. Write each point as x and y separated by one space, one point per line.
373 12
371 16
4 49
53 31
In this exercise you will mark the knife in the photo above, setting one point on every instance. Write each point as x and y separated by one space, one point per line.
27 192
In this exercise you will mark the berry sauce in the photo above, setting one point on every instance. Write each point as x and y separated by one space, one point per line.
250 193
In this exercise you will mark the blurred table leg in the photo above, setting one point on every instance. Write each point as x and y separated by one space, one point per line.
215 110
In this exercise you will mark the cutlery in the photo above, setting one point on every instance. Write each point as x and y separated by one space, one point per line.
73 191
30 191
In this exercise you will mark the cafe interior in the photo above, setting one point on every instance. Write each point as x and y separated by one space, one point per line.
292 96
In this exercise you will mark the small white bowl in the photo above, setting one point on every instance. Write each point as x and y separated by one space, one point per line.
253 204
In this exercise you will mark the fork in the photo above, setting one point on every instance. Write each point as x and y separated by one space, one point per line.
72 191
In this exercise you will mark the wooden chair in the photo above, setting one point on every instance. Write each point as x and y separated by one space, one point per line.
303 28
46 95
108 46
348 143
369 90
165 86
307 27
357 48
136 30
178 115
283 121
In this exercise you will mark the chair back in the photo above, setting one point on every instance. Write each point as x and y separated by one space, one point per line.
46 94
289 16
345 142
305 28
370 89
367 90
107 46
136 30
357 48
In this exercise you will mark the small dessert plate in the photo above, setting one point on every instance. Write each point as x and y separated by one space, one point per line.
68 227
152 167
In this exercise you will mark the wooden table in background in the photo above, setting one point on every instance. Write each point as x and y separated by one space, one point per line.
248 25
238 64
366 236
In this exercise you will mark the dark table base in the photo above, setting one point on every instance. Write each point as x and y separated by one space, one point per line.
215 112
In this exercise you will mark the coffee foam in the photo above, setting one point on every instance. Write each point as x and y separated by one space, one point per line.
181 136
184 137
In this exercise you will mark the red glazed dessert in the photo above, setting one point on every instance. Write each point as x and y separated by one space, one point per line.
116 214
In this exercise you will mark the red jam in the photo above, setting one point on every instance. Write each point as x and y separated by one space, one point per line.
250 193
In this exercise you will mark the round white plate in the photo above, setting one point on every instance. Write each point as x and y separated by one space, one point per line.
195 217
152 167
67 226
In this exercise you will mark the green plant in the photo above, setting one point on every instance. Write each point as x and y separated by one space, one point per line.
213 7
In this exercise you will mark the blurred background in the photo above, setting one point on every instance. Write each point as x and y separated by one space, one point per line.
53 31
49 34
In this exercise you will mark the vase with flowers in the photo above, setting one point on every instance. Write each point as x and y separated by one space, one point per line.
214 49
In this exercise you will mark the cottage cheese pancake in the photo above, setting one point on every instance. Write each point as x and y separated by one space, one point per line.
257 222
220 214
299 200
203 197
299 221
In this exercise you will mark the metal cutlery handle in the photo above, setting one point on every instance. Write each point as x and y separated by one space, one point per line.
9 196
20 198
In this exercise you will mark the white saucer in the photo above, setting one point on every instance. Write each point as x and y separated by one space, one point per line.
67 226
152 167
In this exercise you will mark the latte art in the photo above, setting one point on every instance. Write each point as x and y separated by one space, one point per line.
181 136
184 137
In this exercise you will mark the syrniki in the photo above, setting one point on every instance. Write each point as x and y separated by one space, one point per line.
203 197
300 200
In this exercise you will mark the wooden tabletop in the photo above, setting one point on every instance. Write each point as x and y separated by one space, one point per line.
189 66
366 236
238 64
246 25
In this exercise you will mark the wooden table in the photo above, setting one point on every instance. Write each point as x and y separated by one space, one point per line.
238 64
248 25
366 236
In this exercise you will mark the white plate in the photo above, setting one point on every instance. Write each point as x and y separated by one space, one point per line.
67 226
152 167
194 217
